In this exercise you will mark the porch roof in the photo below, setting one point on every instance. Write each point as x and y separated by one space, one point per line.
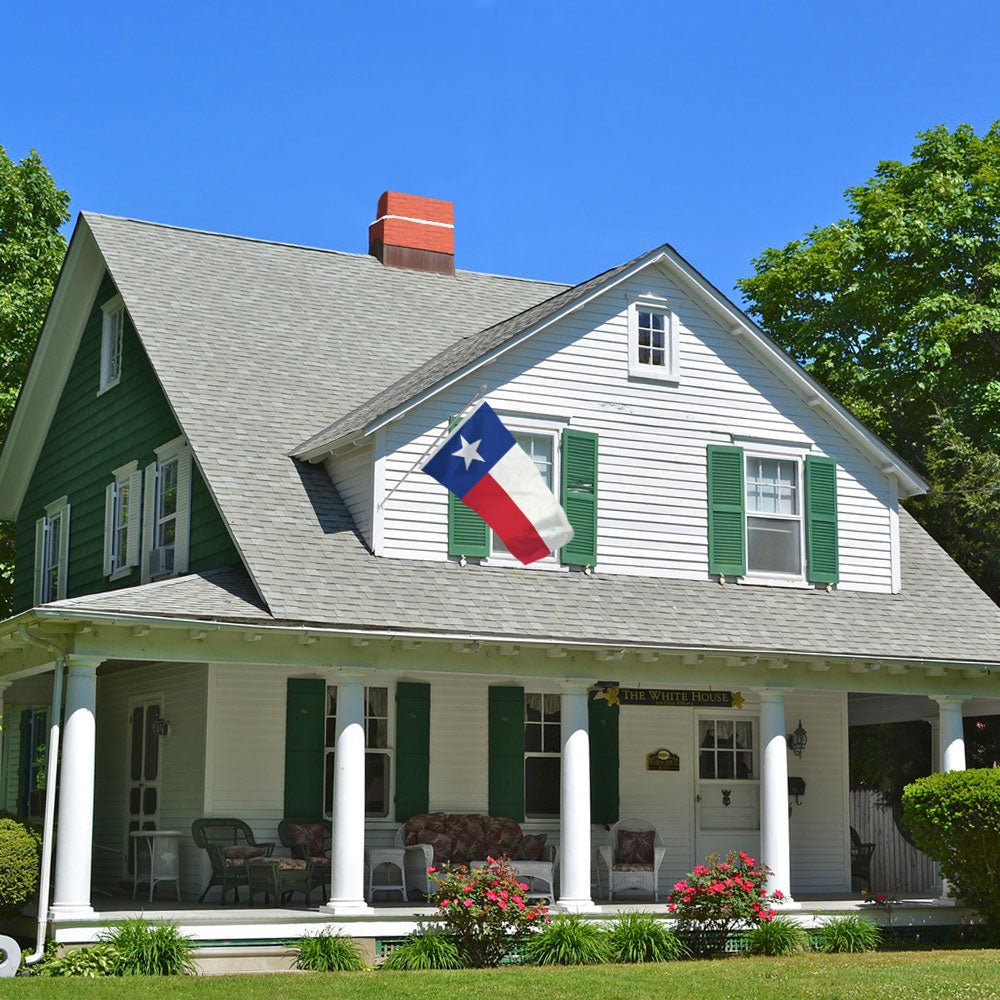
939 615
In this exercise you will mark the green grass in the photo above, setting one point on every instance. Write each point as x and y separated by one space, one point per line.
956 975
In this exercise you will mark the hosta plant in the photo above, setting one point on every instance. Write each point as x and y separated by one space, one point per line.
484 909
720 896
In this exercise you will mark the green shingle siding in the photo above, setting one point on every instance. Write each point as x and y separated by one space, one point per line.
91 435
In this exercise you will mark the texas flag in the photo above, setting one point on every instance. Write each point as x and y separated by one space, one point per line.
490 472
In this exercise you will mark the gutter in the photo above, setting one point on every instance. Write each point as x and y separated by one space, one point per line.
51 771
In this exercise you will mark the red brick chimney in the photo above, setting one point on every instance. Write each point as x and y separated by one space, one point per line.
414 232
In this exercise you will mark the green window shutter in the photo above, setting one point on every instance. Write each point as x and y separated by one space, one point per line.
822 561
603 726
506 752
413 749
468 534
727 552
305 746
579 496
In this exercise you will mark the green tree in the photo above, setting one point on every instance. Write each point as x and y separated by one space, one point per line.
896 310
32 248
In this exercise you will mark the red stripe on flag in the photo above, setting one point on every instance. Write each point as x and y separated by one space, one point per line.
494 505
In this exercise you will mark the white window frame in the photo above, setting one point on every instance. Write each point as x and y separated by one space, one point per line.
175 450
540 753
760 577
668 372
387 751
539 427
52 553
119 561
112 342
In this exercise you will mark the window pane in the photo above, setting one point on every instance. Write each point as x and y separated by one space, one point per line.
773 546
331 701
551 737
772 486
328 784
376 784
541 786
538 448
532 737
553 708
744 735
533 707
377 733
377 701
331 732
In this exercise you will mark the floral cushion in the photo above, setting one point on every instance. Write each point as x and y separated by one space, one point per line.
423 822
635 847
311 835
503 836
285 864
237 857
320 862
440 842
633 867
464 837
530 848
467 848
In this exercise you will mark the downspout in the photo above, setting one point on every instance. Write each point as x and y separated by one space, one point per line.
51 772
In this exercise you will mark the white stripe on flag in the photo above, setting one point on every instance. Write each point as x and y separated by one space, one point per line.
517 475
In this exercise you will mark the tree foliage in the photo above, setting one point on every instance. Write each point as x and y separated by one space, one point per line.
896 310
32 208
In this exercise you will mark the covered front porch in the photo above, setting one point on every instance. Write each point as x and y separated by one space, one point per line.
169 722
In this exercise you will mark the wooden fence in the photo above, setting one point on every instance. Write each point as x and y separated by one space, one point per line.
897 866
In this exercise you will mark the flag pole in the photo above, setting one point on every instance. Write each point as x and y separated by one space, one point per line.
449 428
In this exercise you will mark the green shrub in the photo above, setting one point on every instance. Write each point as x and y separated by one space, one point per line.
20 864
429 949
954 817
98 960
147 948
568 940
641 937
329 953
780 936
851 933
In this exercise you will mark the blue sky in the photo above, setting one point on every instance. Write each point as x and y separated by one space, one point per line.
570 136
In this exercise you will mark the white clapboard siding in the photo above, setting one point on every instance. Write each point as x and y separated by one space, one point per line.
898 868
182 766
652 489
352 473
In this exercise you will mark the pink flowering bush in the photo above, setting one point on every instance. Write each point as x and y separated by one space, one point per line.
485 910
719 896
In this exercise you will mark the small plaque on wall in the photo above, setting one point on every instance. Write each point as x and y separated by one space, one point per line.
662 760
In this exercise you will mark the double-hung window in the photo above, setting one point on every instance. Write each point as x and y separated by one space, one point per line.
774 516
540 447
652 340
166 513
378 753
122 506
542 758
112 337
52 552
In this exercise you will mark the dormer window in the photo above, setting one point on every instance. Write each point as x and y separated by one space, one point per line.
112 334
652 340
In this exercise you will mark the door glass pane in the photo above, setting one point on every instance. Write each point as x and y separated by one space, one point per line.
136 745
706 733
773 545
706 764
149 801
134 799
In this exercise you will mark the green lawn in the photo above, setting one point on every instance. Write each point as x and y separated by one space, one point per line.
956 975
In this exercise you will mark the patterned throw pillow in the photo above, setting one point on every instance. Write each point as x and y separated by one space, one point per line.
530 848
308 834
237 857
635 847
503 836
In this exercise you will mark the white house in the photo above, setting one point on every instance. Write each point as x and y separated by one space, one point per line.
224 538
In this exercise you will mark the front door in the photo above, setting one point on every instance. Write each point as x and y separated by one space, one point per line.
144 771
728 785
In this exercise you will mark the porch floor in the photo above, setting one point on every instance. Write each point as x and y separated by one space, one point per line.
213 925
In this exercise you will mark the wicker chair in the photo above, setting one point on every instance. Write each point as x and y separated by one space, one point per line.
632 872
861 859
230 845
309 840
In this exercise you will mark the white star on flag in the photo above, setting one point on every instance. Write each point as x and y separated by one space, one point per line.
469 452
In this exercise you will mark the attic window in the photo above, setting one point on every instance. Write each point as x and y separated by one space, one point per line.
112 333
652 340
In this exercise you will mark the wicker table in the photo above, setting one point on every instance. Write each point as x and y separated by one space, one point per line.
162 859
393 856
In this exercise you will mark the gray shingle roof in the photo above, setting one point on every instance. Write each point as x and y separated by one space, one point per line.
255 343
459 354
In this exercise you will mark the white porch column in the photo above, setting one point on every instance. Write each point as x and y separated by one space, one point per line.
951 737
74 841
574 806
774 849
949 755
347 894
